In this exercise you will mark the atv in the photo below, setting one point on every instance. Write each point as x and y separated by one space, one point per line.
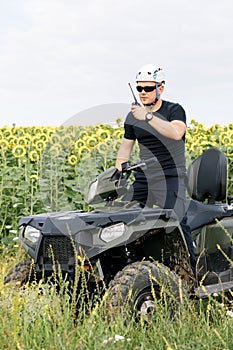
136 252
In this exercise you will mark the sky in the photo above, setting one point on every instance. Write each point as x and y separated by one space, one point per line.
59 58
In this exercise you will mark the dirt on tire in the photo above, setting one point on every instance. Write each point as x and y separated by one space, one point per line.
136 286
21 273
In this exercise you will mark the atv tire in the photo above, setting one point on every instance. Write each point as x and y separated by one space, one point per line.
140 286
21 273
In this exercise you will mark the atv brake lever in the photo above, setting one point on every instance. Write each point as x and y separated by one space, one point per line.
137 166
127 167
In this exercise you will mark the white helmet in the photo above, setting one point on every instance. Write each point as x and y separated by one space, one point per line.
151 72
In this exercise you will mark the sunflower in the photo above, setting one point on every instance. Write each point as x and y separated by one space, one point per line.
223 135
72 159
119 133
109 142
4 144
48 130
214 128
230 134
34 139
13 141
91 142
103 134
83 134
70 130
40 145
83 151
55 139
193 122
7 132
23 141
34 156
18 151
201 127
79 143
66 140
34 177
230 153
227 141
36 130
201 136
103 147
194 147
44 137
54 151
116 145
20 132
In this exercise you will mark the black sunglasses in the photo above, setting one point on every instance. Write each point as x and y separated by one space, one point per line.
145 88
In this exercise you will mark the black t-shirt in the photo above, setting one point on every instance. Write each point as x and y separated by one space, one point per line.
168 154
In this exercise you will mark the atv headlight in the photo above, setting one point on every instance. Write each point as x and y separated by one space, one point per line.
31 234
110 233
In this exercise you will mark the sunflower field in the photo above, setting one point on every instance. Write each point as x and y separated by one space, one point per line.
50 168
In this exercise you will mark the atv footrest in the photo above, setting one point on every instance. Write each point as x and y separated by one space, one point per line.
213 289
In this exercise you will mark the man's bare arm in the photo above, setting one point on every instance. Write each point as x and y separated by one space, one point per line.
173 130
124 152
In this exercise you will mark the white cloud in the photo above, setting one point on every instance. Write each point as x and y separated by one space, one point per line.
59 57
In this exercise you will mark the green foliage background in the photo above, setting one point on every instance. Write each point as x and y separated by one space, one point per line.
50 168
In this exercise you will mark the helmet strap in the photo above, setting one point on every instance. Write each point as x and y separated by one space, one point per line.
157 91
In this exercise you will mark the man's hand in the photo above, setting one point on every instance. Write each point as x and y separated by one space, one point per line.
139 112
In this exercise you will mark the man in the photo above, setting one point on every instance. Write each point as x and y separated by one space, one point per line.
159 128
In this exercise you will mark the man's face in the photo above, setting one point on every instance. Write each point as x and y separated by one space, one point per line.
148 97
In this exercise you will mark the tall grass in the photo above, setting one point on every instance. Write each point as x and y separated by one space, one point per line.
41 316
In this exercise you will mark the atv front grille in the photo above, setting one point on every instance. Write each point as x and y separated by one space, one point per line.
57 249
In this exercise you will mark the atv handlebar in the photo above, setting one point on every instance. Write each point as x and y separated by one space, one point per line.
112 183
127 168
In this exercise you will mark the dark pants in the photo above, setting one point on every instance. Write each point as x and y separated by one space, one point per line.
169 193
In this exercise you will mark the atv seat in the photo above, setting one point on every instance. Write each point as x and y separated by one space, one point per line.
207 178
